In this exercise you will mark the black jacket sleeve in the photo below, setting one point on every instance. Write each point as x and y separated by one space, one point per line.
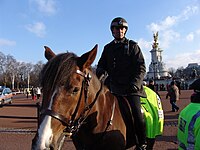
101 66
140 67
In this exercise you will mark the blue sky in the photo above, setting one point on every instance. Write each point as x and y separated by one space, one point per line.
26 26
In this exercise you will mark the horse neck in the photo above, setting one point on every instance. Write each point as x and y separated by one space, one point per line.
105 102
104 99
104 106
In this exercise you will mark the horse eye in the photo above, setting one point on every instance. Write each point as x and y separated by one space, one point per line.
75 90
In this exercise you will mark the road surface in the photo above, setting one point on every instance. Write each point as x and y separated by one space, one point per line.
18 124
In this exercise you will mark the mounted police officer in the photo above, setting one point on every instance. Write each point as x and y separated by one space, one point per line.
124 63
189 121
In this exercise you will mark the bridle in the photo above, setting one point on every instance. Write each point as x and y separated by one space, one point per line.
72 126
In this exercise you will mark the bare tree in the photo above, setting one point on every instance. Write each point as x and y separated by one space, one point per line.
36 72
2 67
172 71
10 69
18 74
24 70
7 69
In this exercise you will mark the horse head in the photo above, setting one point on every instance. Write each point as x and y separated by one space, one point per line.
65 79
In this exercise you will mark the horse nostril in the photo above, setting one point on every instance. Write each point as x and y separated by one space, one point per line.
51 147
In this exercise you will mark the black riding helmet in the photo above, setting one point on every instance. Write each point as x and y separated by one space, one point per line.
119 22
195 85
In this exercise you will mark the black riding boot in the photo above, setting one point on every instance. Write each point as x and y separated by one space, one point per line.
140 126
150 143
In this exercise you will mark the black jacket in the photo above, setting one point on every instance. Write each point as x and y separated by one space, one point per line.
125 65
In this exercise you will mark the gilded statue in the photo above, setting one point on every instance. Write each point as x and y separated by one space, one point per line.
155 36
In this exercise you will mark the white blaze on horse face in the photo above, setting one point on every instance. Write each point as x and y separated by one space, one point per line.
45 133
52 98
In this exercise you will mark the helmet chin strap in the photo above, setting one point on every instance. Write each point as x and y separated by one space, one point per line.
119 39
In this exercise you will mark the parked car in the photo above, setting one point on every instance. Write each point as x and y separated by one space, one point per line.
5 95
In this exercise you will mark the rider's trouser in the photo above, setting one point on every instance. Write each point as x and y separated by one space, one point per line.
139 121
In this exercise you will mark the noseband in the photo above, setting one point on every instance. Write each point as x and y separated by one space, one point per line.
72 126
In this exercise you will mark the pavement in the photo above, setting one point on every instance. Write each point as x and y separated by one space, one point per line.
19 124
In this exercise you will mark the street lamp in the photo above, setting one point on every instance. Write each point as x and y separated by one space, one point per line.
28 80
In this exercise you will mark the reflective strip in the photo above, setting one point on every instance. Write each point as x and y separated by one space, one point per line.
191 138
159 102
182 124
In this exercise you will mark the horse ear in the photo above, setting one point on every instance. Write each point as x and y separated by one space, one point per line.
49 53
87 59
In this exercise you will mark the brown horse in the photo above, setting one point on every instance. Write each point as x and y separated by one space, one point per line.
76 104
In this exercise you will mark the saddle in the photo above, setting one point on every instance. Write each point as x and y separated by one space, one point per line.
127 116
126 113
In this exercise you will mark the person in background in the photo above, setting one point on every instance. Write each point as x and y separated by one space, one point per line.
124 63
27 93
38 93
173 94
178 84
189 121
153 87
33 93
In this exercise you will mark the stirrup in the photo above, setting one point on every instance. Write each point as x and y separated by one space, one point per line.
142 147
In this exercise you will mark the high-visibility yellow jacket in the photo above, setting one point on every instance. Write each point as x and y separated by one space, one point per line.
189 127
153 113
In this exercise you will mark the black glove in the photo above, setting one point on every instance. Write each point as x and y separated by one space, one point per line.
100 72
134 88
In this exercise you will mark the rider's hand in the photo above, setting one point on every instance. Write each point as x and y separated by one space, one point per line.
101 72
134 88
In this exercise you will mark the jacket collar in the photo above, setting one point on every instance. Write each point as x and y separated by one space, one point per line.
120 41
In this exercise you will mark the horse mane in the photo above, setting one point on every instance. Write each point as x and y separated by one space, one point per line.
57 71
